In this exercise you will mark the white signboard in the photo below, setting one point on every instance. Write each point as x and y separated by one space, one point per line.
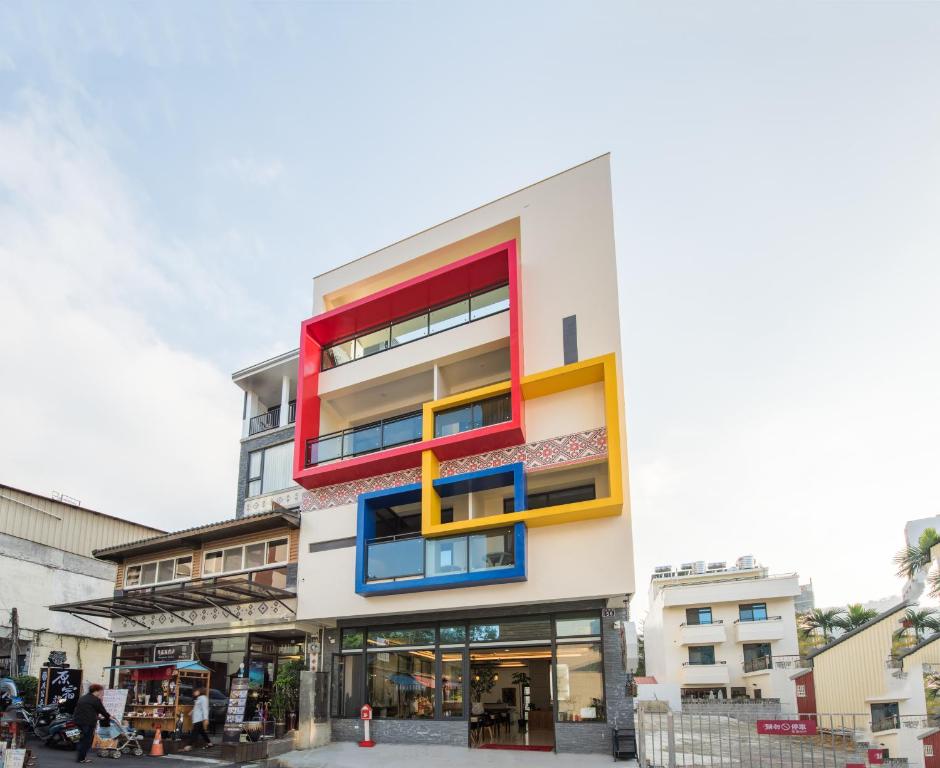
14 758
115 700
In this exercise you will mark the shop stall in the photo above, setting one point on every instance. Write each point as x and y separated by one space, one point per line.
161 693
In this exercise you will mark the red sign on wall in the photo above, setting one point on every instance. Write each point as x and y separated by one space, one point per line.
787 727
876 756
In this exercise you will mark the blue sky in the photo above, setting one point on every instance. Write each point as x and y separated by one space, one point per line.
172 175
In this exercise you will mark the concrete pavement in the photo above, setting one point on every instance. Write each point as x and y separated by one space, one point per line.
348 755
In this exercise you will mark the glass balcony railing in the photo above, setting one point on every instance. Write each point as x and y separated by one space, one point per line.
474 306
412 556
367 438
484 413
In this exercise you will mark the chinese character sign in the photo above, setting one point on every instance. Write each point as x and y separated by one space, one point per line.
787 727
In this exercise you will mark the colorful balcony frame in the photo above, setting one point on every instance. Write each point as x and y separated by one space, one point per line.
471 273
510 475
601 369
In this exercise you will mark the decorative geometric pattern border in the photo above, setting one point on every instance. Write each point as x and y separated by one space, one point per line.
575 448
244 612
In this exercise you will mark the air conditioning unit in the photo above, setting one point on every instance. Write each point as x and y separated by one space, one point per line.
662 569
698 567
747 562
686 566
718 566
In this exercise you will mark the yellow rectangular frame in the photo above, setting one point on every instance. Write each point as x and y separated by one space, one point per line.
601 369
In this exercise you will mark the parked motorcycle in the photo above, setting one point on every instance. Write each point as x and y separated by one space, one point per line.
53 728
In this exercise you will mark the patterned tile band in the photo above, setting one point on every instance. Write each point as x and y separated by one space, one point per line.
557 451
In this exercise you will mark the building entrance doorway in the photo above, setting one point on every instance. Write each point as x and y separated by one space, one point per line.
511 696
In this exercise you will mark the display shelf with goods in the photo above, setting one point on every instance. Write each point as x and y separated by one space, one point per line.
160 694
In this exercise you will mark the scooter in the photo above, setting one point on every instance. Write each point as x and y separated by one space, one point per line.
64 733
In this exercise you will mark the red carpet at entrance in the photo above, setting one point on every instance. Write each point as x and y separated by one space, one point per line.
522 747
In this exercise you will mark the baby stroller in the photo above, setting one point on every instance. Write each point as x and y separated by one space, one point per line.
117 739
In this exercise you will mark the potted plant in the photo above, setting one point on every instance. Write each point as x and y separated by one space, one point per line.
286 696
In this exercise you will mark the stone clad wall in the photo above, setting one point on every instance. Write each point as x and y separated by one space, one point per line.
453 734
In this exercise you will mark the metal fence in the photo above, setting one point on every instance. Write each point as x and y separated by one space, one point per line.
668 739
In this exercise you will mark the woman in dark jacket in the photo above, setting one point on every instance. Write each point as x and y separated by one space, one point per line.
88 710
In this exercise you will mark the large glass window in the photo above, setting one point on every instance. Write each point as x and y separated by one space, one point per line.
885 716
381 638
452 684
401 684
454 634
580 680
270 469
493 549
575 626
753 612
502 630
158 572
223 656
698 616
347 685
248 556
352 639
701 654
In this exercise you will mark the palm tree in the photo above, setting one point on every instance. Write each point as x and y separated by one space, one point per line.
854 616
915 558
821 620
918 621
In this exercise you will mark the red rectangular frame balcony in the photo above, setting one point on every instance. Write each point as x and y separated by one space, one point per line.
438 286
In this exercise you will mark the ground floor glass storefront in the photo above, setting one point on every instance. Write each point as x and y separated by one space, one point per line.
538 669
257 656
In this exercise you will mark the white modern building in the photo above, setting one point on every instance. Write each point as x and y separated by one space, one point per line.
723 631
46 557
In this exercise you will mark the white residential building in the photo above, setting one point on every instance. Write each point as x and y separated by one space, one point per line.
720 631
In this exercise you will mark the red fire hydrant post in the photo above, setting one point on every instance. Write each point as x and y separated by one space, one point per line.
365 714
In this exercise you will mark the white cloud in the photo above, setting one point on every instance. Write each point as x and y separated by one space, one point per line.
6 62
255 171
96 403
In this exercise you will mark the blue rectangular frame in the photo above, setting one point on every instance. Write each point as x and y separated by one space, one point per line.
486 479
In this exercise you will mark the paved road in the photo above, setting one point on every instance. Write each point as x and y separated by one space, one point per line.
63 758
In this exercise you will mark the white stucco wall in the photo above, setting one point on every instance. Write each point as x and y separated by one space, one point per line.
666 653
35 576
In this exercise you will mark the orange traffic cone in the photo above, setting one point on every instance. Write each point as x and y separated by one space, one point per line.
156 749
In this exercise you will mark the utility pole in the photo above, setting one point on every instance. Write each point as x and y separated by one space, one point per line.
14 643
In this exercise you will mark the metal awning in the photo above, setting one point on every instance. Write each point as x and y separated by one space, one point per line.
191 666
176 599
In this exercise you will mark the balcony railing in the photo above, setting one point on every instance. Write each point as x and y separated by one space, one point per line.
765 618
368 438
473 306
701 623
265 421
483 413
413 556
272 419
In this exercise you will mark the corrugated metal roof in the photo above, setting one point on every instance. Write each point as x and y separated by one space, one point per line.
79 530
198 534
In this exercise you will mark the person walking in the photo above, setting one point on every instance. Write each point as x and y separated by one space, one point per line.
200 717
88 711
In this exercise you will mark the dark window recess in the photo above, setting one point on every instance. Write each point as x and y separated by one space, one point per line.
701 654
447 515
569 334
752 612
698 615
388 522
554 498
